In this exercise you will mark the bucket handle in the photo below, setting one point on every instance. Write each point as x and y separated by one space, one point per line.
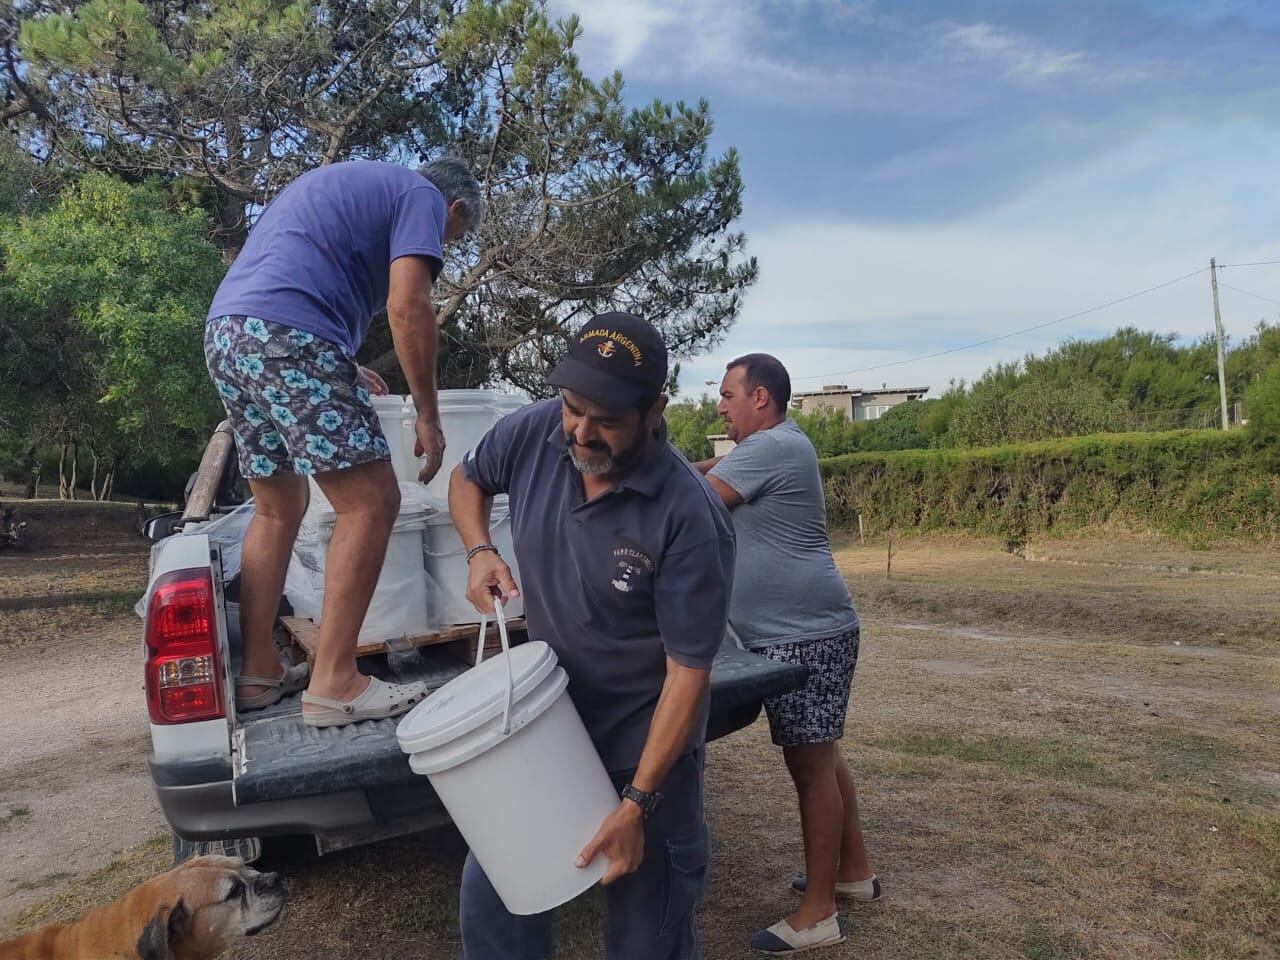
506 649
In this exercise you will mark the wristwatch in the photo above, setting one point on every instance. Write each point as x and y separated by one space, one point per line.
647 802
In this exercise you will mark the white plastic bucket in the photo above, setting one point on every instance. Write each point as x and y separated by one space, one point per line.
445 559
399 606
510 402
506 752
398 415
466 416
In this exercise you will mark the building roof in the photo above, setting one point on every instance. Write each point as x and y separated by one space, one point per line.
839 389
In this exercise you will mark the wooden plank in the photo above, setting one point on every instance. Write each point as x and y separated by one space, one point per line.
465 650
306 632
209 476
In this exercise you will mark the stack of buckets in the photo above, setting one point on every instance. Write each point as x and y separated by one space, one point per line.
400 603
424 577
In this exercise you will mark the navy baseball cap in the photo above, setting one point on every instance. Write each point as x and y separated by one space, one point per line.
617 360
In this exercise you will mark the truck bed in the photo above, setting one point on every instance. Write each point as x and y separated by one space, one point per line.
279 757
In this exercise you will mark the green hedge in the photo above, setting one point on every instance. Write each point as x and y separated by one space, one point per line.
1198 484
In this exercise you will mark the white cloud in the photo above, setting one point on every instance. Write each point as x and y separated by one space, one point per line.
834 298
624 27
737 48
1109 196
840 296
1017 55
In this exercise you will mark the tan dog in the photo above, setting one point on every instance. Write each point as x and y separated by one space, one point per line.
193 912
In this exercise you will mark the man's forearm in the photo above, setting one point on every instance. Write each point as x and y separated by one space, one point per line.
705 466
469 507
415 334
683 693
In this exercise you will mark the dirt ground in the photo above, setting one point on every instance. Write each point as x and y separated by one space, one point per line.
1070 755
73 737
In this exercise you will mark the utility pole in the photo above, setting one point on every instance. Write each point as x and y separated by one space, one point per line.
1217 327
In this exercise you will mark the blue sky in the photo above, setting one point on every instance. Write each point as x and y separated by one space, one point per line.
924 175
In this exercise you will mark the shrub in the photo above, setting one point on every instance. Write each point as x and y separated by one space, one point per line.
1185 483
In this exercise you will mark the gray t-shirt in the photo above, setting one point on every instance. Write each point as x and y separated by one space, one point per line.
786 587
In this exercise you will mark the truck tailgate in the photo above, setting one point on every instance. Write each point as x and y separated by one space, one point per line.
277 756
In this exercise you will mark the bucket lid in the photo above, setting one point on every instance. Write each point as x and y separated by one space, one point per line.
475 697
467 399
393 403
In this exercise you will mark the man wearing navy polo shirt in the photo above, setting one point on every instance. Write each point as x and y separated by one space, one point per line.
627 560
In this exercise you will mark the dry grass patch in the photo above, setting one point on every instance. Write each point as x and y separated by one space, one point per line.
90 574
112 881
101 621
1070 758
1128 590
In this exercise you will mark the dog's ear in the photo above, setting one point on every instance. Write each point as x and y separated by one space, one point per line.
163 931
179 922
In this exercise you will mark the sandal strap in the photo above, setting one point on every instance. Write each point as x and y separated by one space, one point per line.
373 690
377 690
346 706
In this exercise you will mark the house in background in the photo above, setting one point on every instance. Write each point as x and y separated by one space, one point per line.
856 404
720 444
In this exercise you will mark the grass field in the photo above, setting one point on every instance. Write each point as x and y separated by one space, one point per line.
1071 755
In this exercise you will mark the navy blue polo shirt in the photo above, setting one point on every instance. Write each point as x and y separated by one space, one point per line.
617 584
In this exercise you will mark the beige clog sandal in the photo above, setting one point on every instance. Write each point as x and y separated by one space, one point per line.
293 679
379 701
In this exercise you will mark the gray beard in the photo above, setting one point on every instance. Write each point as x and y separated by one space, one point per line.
589 468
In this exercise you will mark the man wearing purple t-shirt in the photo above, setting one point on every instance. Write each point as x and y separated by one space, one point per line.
335 248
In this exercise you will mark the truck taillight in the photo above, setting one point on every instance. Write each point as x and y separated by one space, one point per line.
183 682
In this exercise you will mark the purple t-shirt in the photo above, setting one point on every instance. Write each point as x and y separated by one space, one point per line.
319 257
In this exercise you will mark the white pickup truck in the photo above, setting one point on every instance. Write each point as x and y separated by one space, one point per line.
224 782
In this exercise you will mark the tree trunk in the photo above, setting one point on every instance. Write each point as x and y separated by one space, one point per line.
62 474
109 480
31 468
75 467
93 477
232 227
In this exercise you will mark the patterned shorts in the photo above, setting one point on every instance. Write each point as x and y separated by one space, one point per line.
294 400
815 713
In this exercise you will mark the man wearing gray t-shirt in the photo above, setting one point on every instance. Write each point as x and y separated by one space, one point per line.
790 604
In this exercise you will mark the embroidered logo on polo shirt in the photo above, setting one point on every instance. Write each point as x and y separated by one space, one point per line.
629 563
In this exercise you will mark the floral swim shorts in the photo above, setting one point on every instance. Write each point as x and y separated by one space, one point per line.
295 401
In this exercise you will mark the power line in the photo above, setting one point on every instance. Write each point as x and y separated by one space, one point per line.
1248 293
1015 333
1256 263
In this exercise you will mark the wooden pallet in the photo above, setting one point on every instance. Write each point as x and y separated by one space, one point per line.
305 633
